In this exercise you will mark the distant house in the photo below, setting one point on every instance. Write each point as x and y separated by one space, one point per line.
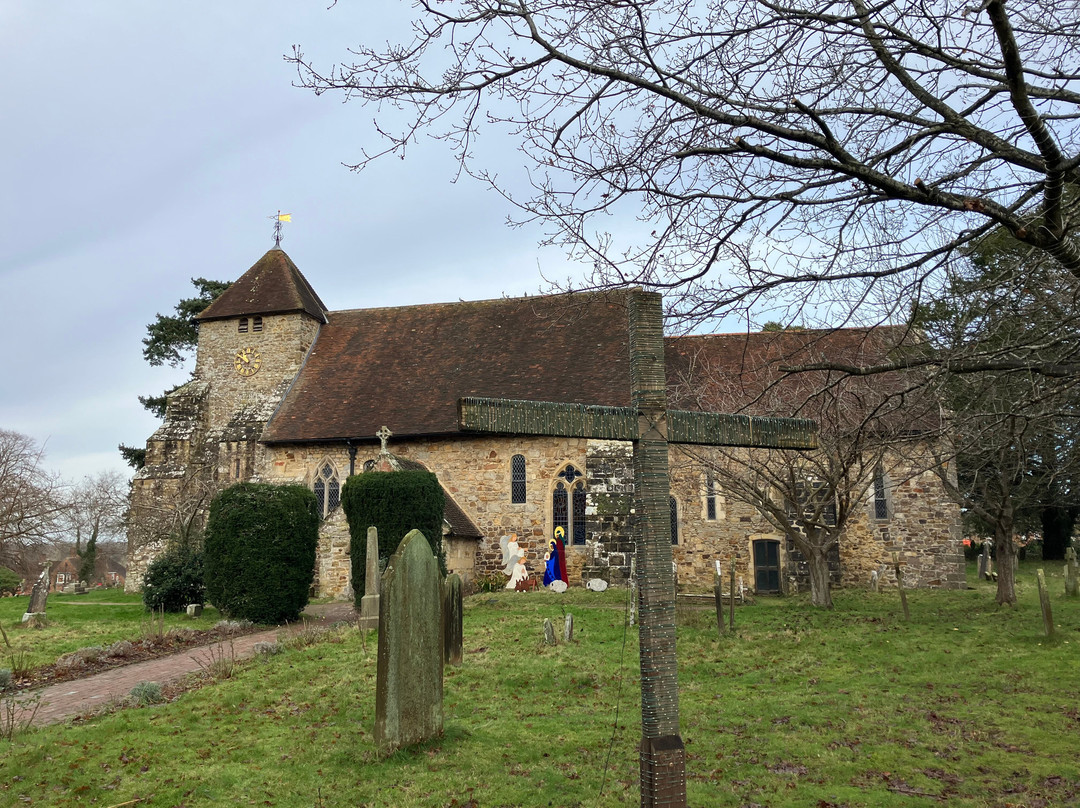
287 391
107 571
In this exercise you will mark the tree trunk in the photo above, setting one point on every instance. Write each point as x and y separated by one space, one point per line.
820 592
1005 557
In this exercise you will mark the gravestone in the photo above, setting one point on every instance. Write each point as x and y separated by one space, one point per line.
986 567
369 604
1044 603
549 633
452 620
194 610
35 612
1072 574
568 629
409 679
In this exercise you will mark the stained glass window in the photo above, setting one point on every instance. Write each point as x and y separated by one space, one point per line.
710 496
579 512
881 501
560 512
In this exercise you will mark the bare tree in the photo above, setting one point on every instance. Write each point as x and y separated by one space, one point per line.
31 501
97 510
837 153
868 431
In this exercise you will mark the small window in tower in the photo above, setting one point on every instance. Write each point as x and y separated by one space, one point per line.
256 323
242 326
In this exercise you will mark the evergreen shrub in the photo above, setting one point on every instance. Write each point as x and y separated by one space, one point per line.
395 502
174 579
260 551
9 580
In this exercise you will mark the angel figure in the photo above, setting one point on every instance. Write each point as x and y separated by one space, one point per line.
511 553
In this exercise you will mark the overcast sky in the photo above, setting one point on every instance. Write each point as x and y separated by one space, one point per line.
147 143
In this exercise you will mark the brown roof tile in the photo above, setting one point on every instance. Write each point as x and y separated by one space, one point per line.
406 367
272 286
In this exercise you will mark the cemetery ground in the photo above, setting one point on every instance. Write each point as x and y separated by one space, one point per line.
967 704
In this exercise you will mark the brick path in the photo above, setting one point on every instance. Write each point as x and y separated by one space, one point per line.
66 699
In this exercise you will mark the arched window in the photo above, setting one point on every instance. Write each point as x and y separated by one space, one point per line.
674 520
881 497
710 496
517 478
256 323
242 326
327 489
568 505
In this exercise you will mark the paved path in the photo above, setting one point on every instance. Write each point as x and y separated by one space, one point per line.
66 699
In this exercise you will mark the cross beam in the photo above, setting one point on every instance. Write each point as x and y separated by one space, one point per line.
554 419
650 427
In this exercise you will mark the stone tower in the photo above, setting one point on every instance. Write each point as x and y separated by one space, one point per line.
252 342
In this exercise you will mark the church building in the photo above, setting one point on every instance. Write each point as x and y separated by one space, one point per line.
286 391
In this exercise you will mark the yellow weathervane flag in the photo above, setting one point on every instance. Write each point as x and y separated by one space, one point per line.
284 217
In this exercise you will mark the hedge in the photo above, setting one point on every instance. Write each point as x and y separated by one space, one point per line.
260 551
395 502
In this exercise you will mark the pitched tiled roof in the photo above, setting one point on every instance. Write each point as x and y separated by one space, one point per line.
406 367
272 286
742 373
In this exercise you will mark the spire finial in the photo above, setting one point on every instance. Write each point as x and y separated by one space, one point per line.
278 220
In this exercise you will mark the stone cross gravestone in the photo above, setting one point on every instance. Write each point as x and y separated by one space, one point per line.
409 679
649 425
35 612
453 629
369 604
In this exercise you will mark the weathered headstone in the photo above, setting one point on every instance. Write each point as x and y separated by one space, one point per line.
409 679
900 586
1044 602
453 629
194 610
986 567
1072 574
549 633
369 604
35 612
568 629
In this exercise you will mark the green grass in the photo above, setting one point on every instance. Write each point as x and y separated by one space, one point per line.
967 704
78 621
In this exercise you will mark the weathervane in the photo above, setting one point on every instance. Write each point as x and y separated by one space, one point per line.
278 220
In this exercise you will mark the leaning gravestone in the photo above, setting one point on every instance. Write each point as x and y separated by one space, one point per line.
452 620
35 612
985 565
369 604
409 680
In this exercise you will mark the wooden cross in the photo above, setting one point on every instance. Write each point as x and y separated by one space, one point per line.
650 426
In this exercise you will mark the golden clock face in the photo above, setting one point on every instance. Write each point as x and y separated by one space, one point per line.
247 362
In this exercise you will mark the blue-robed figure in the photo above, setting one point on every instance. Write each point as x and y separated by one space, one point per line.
555 558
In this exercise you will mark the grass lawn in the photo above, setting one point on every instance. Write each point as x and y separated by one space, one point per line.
967 704
100 617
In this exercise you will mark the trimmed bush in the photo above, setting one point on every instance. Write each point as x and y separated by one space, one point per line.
395 502
9 580
174 580
260 551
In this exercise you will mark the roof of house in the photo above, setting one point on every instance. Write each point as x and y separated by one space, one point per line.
273 285
406 367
